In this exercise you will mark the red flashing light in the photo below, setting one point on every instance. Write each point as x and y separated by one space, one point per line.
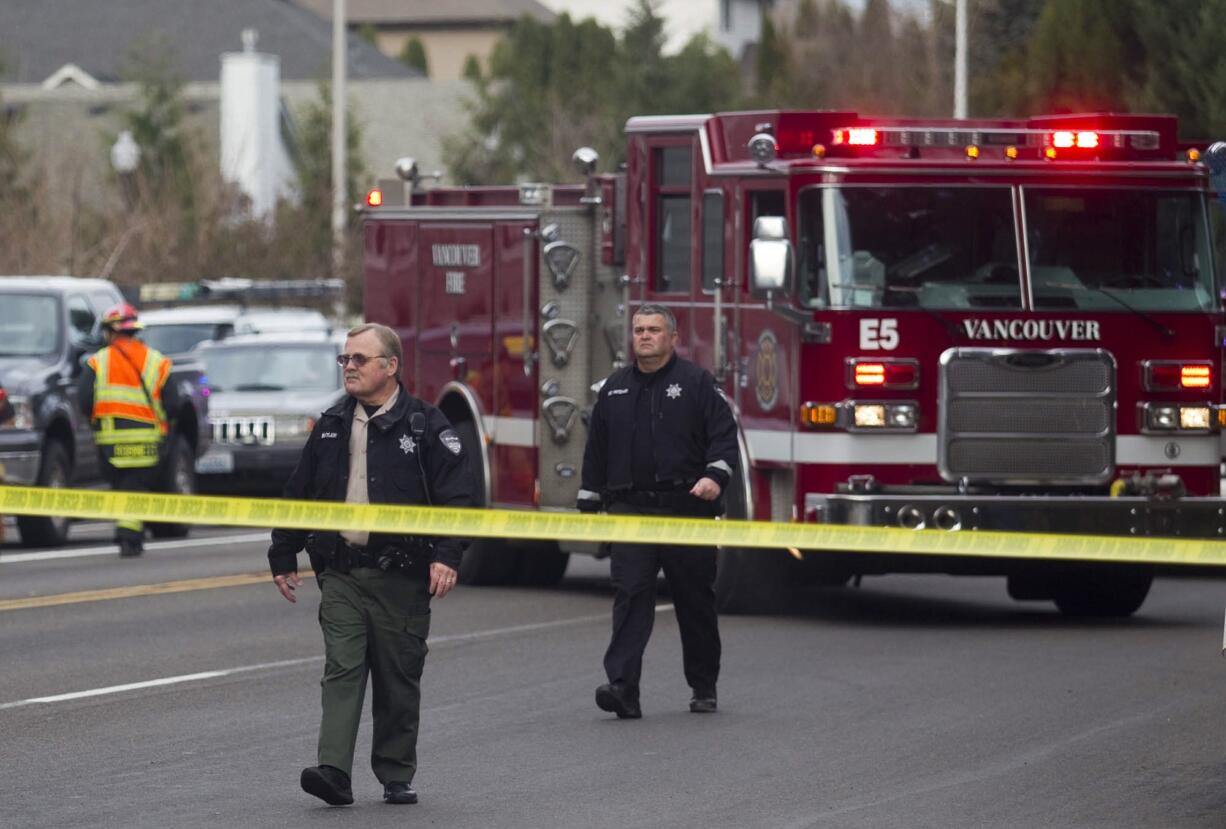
374 198
1173 376
1195 377
857 137
1067 139
870 374
885 374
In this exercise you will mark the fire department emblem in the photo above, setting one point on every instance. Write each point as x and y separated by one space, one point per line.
673 391
766 370
406 444
452 441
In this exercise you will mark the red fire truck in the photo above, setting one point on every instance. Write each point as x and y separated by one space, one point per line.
1005 324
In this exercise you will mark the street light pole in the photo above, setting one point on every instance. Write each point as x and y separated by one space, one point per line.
960 60
339 194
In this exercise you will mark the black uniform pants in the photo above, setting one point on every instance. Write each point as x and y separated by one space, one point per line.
691 579
130 480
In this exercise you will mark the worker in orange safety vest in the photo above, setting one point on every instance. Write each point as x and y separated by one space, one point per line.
123 391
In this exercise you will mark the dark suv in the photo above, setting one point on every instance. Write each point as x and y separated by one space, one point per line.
48 324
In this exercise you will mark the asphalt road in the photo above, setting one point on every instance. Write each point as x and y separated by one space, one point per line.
910 702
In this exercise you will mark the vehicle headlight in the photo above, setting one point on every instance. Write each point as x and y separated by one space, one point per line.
293 426
23 414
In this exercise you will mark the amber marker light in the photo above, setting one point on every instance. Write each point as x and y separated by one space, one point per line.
817 415
819 150
1049 153
374 198
1011 153
1193 155
972 152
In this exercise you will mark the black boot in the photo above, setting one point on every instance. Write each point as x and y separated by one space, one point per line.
329 784
620 699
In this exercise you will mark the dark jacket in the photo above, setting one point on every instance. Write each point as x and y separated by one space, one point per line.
693 433
393 476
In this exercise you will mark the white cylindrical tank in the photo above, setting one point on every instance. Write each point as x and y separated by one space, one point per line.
253 154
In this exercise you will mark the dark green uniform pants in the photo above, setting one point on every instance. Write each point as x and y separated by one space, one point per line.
377 623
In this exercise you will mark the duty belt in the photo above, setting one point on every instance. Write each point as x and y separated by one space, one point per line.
676 500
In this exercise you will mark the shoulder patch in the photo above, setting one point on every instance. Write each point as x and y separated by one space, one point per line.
451 440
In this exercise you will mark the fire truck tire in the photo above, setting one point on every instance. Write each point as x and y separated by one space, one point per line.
541 564
1113 591
749 580
56 472
486 561
177 476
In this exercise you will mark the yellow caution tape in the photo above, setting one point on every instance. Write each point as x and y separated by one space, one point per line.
573 526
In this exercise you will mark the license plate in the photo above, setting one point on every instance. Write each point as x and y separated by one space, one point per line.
215 462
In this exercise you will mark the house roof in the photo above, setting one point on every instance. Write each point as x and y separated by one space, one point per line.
39 37
432 12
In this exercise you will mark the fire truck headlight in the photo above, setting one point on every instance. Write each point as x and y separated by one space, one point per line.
1194 417
869 416
1163 417
902 416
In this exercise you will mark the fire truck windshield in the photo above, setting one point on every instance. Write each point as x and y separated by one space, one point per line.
897 247
1086 244
955 247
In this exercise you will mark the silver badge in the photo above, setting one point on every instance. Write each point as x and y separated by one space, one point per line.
452 441
673 391
406 444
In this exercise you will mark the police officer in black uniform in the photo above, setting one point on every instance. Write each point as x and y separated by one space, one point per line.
661 441
382 446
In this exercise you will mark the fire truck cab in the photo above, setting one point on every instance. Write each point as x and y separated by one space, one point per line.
1007 324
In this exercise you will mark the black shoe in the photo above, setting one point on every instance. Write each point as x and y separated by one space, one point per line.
329 784
619 699
130 548
399 793
703 702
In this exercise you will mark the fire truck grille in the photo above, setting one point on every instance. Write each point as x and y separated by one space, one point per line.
1027 417
243 431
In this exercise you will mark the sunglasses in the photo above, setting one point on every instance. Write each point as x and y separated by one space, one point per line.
358 360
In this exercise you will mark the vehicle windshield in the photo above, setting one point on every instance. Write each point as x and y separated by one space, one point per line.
29 325
306 367
1090 248
180 337
899 247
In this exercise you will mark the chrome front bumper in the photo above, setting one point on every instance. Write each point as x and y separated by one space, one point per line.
1087 515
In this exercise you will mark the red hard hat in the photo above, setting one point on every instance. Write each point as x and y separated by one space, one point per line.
121 317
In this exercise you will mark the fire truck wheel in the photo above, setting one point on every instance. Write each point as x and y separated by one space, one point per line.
55 472
750 580
176 476
1110 591
487 560
541 564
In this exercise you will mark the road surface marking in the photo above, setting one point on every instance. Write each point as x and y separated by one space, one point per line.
111 549
293 663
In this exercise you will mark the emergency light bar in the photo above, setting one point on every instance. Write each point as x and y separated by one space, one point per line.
912 137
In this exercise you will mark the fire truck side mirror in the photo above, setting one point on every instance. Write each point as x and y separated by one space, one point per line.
770 254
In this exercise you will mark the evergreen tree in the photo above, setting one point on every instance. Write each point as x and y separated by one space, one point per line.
1077 58
414 55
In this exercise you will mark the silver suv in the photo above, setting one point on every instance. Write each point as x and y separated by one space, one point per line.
178 330
266 392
